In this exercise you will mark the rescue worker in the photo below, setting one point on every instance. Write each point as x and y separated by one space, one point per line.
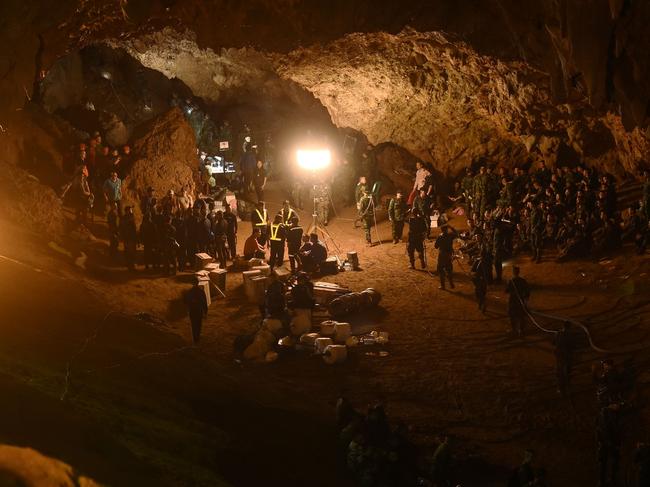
260 220
396 214
286 212
519 292
294 241
445 245
417 233
536 231
197 306
366 213
422 203
276 242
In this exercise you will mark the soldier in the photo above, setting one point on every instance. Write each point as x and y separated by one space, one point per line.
422 203
479 190
417 232
276 242
467 189
445 245
359 191
260 220
498 249
294 241
149 239
519 292
505 195
536 231
492 187
366 214
286 212
321 195
396 215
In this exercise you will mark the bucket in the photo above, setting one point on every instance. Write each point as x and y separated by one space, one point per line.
335 354
322 343
342 332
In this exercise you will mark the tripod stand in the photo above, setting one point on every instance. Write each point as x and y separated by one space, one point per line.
320 230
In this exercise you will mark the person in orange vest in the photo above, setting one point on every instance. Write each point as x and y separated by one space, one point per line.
277 239
260 220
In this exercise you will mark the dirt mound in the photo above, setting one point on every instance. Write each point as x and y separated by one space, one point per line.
165 158
25 200
27 467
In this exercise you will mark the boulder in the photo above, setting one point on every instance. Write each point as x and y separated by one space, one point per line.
28 468
164 158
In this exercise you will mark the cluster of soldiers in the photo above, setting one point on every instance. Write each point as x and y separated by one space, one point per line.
573 209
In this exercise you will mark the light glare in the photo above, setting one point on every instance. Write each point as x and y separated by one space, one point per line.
314 159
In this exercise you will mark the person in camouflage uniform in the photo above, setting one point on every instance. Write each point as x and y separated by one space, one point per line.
506 194
396 215
321 196
492 187
366 214
422 203
536 230
480 192
467 189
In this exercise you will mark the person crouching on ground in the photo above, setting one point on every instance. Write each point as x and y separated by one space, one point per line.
315 256
252 246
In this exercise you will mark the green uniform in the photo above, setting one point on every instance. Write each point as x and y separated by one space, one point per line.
321 195
505 196
480 194
396 215
358 194
467 188
366 215
536 233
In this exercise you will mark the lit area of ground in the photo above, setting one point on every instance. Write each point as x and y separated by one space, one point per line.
121 391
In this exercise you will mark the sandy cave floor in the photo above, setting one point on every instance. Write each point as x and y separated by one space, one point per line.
450 369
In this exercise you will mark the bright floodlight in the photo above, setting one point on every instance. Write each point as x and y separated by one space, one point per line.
314 159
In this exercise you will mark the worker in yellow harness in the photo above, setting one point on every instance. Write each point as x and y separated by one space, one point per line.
286 213
278 237
260 219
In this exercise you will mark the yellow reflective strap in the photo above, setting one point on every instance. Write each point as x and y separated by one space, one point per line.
262 218
274 231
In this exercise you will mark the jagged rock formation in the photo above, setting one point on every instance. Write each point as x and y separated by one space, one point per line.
451 106
26 467
165 158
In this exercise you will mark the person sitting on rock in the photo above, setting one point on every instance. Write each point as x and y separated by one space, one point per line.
252 246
